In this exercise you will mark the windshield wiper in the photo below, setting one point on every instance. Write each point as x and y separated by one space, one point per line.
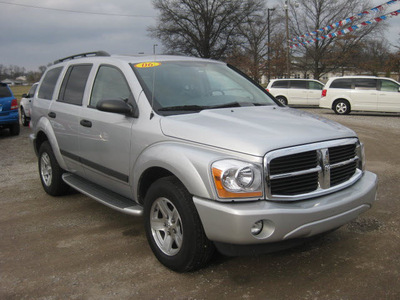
199 108
183 108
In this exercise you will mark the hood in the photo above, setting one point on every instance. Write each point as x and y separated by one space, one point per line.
253 130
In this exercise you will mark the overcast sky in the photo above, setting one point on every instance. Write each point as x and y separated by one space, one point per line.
31 37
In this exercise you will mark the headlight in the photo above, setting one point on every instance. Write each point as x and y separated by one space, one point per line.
237 179
361 156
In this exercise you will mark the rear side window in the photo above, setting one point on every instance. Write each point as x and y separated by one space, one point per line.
73 86
365 84
341 84
281 84
49 83
4 92
298 84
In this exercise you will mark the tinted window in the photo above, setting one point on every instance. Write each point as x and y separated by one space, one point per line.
110 84
4 91
298 84
74 84
341 84
48 84
32 91
389 86
312 85
281 84
365 84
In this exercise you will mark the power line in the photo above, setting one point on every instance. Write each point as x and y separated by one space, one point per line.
78 12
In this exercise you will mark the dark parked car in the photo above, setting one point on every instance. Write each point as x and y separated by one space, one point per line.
9 117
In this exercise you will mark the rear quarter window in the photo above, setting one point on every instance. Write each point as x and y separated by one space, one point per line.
341 84
48 85
298 84
281 84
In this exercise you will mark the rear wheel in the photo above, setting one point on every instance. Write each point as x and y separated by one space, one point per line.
173 227
14 129
341 107
282 100
50 172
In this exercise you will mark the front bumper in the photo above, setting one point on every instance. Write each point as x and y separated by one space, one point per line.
231 223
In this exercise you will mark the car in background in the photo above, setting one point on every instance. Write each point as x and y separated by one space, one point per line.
361 93
296 91
9 117
25 105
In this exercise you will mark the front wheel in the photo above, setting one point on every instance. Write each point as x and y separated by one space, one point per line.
173 227
341 107
24 118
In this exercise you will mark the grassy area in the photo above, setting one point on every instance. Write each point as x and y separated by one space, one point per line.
18 90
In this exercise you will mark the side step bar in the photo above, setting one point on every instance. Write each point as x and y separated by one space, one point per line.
102 195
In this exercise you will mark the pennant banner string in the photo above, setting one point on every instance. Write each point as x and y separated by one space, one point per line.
349 29
345 21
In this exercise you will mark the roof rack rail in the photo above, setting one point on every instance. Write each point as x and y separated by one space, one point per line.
95 53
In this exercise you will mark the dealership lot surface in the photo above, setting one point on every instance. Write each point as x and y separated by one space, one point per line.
73 247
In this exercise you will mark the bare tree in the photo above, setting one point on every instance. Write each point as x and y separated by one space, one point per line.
202 28
326 54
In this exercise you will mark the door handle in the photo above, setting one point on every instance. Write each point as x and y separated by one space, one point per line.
52 115
86 123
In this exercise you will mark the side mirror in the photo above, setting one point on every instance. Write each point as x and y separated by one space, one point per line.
25 96
119 107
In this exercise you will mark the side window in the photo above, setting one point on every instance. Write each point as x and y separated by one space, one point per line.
49 83
281 84
341 84
74 84
312 85
32 91
298 84
365 84
389 86
110 84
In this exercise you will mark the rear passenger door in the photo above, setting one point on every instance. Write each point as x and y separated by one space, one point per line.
105 138
365 94
314 92
388 96
64 114
298 92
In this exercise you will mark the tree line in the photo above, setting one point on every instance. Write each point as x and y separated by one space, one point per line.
251 34
14 71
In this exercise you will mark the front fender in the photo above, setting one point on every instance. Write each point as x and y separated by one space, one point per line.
190 163
43 126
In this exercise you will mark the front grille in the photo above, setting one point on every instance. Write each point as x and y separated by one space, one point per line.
307 171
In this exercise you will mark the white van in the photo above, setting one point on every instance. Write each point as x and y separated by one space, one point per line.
296 91
362 93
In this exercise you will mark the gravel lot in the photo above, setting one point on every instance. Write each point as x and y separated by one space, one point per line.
71 247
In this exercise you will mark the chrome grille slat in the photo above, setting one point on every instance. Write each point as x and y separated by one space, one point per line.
308 171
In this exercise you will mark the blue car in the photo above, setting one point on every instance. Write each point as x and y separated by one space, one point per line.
9 116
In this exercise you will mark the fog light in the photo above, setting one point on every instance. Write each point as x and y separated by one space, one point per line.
257 227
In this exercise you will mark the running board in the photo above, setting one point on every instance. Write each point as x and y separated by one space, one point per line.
102 195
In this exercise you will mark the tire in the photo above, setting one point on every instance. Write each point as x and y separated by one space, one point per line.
342 107
173 227
282 100
14 129
24 118
50 172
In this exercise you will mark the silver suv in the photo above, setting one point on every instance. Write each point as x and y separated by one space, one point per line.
198 149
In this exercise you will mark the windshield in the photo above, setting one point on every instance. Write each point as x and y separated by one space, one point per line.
177 87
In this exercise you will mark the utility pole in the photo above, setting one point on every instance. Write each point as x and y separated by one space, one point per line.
287 3
269 44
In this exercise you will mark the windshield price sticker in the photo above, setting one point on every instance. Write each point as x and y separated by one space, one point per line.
148 65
